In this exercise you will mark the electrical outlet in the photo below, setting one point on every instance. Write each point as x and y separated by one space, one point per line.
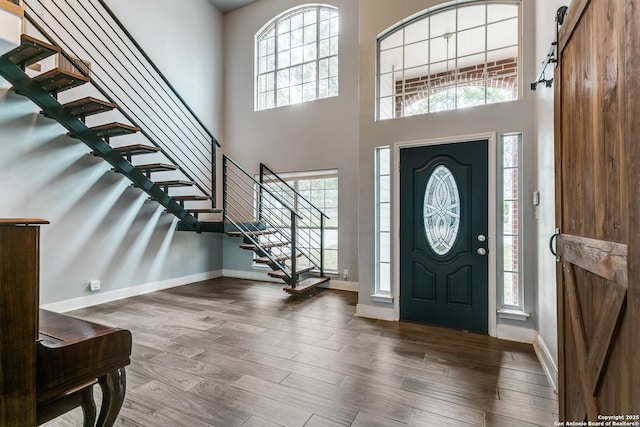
345 274
94 285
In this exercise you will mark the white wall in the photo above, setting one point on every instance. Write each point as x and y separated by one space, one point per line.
547 318
518 116
101 227
310 136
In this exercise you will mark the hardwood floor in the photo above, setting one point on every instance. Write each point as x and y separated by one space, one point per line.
230 352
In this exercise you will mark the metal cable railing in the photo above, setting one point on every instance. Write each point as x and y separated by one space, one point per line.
124 74
264 219
310 235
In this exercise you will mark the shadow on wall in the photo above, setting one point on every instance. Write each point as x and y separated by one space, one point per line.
101 227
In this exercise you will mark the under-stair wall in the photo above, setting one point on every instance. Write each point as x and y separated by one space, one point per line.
102 228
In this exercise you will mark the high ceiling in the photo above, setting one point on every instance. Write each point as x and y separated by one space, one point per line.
225 6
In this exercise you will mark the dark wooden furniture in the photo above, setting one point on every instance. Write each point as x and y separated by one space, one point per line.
72 356
19 239
50 362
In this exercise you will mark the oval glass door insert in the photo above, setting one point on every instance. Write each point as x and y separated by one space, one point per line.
441 210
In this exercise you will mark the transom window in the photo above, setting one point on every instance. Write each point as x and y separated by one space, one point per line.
297 57
449 58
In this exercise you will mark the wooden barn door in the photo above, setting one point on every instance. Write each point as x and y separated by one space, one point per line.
597 120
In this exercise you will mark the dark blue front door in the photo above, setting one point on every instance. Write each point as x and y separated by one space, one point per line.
443 235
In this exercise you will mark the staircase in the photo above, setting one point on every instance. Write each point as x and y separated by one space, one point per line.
282 229
43 89
274 222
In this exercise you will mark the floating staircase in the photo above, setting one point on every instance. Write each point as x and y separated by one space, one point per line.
257 211
43 89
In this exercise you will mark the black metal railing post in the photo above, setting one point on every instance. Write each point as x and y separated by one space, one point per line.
294 274
321 246
224 185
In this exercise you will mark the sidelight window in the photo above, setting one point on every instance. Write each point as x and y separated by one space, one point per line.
511 222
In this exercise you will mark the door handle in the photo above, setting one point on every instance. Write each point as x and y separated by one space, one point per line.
553 244
481 251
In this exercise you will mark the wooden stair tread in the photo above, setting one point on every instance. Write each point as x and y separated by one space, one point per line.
251 233
136 149
191 197
282 275
175 183
250 247
305 285
211 210
156 167
58 80
32 50
114 129
279 258
88 106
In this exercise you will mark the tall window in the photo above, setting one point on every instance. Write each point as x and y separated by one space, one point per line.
449 58
320 188
383 220
297 57
512 231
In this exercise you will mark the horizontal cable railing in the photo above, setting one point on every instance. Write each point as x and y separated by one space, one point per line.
264 218
311 224
123 73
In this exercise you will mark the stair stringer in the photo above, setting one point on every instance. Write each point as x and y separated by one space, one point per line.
24 85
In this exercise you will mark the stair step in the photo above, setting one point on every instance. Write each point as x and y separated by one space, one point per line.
251 233
305 285
136 149
279 274
88 106
205 211
187 198
31 50
175 183
58 80
250 247
280 258
156 167
110 130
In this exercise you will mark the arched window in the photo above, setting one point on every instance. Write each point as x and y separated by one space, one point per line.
455 56
297 57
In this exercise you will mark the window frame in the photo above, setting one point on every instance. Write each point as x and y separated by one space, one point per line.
292 179
332 58
509 310
378 220
398 99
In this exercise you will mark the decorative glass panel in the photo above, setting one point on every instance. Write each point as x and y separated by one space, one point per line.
441 210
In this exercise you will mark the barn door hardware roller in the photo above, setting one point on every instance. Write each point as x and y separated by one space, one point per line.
552 56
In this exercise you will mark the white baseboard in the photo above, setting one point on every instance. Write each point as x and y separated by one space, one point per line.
515 333
374 312
263 277
104 297
546 360
341 285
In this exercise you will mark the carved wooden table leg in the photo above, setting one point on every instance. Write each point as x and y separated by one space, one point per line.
88 407
113 387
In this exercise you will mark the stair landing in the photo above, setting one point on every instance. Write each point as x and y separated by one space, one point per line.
306 285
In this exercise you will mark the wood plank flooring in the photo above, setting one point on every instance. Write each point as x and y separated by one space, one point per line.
230 352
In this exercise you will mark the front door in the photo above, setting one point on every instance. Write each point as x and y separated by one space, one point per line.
443 235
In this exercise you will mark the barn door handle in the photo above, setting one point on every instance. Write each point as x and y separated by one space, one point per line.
553 244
